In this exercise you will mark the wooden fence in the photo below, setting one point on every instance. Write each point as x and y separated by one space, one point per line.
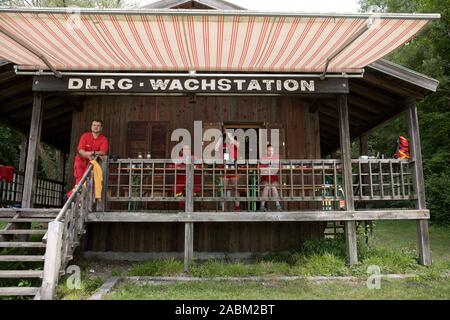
48 192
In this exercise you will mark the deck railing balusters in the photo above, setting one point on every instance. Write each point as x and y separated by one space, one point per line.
308 179
45 191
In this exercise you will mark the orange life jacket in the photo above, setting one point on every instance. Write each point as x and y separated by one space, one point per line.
403 148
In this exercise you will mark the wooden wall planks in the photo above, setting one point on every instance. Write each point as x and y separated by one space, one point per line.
302 137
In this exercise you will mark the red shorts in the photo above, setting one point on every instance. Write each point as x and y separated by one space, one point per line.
180 184
270 179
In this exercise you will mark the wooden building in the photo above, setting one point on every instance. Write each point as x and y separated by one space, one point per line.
319 79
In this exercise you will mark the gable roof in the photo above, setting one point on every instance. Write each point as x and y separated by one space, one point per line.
209 4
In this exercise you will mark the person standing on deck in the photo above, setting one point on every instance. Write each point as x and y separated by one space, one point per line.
230 156
179 187
269 177
91 144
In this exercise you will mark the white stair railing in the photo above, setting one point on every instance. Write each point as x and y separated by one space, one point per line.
64 234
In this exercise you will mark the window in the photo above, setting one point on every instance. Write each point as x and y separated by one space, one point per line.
148 136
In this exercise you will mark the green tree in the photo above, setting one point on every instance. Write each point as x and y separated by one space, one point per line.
9 146
429 53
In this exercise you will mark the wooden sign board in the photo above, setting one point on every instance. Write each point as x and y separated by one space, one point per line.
183 84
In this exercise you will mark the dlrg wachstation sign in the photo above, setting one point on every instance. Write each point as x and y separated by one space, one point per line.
185 84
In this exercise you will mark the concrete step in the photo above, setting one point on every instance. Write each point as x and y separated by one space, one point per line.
18 291
24 231
24 258
21 274
13 244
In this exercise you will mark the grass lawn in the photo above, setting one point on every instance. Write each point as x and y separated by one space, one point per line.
398 234
393 249
284 290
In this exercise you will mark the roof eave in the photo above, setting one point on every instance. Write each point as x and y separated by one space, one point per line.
405 74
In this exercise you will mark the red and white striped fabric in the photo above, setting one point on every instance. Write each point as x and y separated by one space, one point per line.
161 42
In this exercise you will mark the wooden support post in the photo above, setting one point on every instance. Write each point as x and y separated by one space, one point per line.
32 153
189 187
363 145
418 181
61 162
364 151
188 244
23 152
344 135
189 226
52 262
101 205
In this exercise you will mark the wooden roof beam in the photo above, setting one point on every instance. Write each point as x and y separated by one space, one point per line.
49 107
354 111
333 113
18 86
16 102
57 122
7 75
373 94
388 86
367 105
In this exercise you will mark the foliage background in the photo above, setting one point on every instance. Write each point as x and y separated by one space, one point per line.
429 53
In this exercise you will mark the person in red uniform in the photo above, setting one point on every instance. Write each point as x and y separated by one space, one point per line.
269 177
179 187
230 156
91 144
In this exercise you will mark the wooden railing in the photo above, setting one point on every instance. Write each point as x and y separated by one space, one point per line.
64 233
320 181
383 179
49 193
143 180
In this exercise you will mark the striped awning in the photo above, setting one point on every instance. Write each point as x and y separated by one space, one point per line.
200 40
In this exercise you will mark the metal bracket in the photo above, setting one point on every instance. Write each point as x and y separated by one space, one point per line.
358 34
29 48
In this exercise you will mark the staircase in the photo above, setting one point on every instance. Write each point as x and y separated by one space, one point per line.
22 249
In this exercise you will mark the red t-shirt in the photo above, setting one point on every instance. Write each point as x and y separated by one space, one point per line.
270 165
233 151
89 143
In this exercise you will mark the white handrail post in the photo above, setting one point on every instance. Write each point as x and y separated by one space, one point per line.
52 262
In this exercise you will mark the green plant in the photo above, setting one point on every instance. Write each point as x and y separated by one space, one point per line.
324 265
163 267
87 288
